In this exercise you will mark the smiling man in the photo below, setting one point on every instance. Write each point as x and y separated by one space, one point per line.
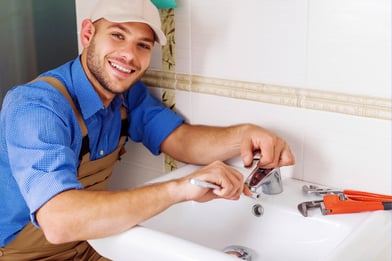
117 56
61 135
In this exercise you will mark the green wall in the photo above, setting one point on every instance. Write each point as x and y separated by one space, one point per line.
35 36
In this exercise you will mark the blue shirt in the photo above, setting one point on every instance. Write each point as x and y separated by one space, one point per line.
40 139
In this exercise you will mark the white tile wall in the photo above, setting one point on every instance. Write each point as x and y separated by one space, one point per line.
136 167
337 45
347 151
252 40
349 46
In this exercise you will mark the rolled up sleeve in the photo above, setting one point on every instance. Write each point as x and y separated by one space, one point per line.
40 149
150 121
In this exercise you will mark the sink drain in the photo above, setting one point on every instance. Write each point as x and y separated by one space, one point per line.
257 210
241 252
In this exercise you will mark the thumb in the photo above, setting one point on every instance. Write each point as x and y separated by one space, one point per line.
247 158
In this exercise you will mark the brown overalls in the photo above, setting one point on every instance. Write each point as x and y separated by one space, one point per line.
30 243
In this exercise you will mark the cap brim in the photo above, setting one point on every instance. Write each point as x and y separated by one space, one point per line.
159 35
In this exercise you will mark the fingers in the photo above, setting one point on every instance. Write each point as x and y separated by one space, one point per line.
231 185
247 192
274 151
286 157
228 179
277 156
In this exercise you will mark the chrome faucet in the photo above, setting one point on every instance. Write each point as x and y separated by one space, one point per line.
268 181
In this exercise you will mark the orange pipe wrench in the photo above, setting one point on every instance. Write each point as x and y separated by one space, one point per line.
345 201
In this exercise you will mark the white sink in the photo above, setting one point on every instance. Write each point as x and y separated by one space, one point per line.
200 231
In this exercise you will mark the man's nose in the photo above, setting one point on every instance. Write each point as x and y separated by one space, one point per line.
129 52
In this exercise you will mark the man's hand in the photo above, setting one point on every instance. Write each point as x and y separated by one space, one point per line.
200 144
230 181
272 150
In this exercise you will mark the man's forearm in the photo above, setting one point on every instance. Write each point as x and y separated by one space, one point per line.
81 214
199 144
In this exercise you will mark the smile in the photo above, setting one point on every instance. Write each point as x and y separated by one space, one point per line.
120 68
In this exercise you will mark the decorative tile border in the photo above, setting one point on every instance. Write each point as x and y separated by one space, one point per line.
362 106
169 65
168 50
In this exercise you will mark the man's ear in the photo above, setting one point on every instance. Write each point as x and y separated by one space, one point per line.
87 32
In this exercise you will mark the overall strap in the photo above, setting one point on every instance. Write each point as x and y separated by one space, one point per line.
84 154
61 88
85 149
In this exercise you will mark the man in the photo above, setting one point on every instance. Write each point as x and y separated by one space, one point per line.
61 134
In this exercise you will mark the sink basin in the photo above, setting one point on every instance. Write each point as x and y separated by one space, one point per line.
270 227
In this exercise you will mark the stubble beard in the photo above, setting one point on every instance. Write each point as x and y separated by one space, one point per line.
97 70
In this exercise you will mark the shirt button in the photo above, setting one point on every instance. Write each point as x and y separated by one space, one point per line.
101 152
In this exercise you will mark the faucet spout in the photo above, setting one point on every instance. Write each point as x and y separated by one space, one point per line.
268 181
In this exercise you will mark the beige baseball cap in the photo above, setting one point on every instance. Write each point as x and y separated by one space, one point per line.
121 11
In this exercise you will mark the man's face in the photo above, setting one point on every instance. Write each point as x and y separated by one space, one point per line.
119 54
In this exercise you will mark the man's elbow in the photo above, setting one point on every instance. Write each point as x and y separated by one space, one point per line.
55 229
57 233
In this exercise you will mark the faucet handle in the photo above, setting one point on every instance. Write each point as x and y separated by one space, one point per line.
257 175
268 181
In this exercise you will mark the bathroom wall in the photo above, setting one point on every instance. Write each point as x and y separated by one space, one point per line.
18 58
32 33
316 72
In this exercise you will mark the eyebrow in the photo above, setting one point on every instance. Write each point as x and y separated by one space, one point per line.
127 31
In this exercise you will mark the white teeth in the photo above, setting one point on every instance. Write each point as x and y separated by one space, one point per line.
120 68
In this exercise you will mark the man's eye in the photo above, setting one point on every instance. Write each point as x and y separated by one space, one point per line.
145 46
118 36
